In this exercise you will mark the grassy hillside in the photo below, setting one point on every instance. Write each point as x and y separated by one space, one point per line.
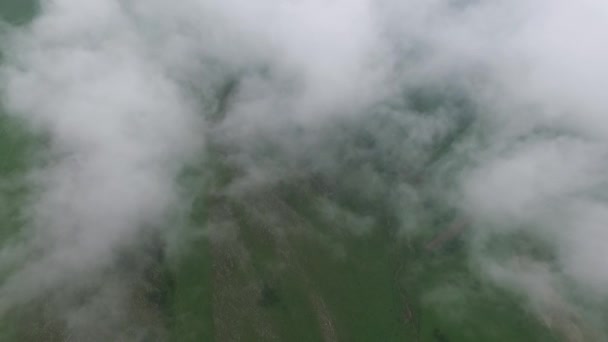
319 255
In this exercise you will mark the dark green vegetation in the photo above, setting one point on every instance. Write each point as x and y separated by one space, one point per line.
13 149
325 251
17 11
320 255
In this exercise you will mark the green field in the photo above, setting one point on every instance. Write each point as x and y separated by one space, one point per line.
317 256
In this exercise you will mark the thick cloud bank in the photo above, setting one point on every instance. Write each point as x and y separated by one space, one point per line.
123 92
